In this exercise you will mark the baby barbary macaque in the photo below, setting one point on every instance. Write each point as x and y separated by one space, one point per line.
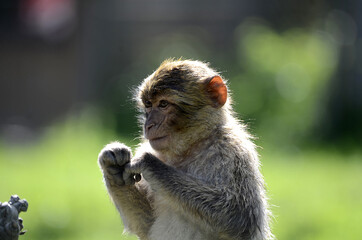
196 173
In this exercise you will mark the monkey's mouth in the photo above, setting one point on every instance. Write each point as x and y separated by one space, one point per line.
158 138
159 143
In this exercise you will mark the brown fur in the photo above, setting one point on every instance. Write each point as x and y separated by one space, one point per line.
204 181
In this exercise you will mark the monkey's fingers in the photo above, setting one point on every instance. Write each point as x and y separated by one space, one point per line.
128 176
131 174
115 179
130 179
134 168
114 170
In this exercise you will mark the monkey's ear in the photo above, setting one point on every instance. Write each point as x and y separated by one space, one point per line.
217 91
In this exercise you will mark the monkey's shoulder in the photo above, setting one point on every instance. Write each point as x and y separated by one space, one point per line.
220 163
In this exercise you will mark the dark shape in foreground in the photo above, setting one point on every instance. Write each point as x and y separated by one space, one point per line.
10 224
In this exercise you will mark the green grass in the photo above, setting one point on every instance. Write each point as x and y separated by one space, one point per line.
315 195
60 179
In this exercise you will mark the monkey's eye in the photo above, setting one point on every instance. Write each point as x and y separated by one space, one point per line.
163 104
148 104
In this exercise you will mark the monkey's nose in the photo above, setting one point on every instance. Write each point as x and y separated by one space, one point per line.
149 126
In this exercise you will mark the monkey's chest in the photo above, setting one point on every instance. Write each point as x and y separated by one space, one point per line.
173 226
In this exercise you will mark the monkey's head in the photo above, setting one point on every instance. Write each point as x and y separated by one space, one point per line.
181 102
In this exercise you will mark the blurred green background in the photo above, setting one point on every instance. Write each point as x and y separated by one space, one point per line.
67 68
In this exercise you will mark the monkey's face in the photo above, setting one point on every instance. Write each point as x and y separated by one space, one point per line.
181 102
160 119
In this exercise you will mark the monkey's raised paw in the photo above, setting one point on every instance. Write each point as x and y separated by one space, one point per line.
112 159
114 154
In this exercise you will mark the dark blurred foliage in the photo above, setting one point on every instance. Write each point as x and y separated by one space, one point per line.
294 67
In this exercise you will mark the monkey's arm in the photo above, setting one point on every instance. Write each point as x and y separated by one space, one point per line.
219 206
134 208
129 197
